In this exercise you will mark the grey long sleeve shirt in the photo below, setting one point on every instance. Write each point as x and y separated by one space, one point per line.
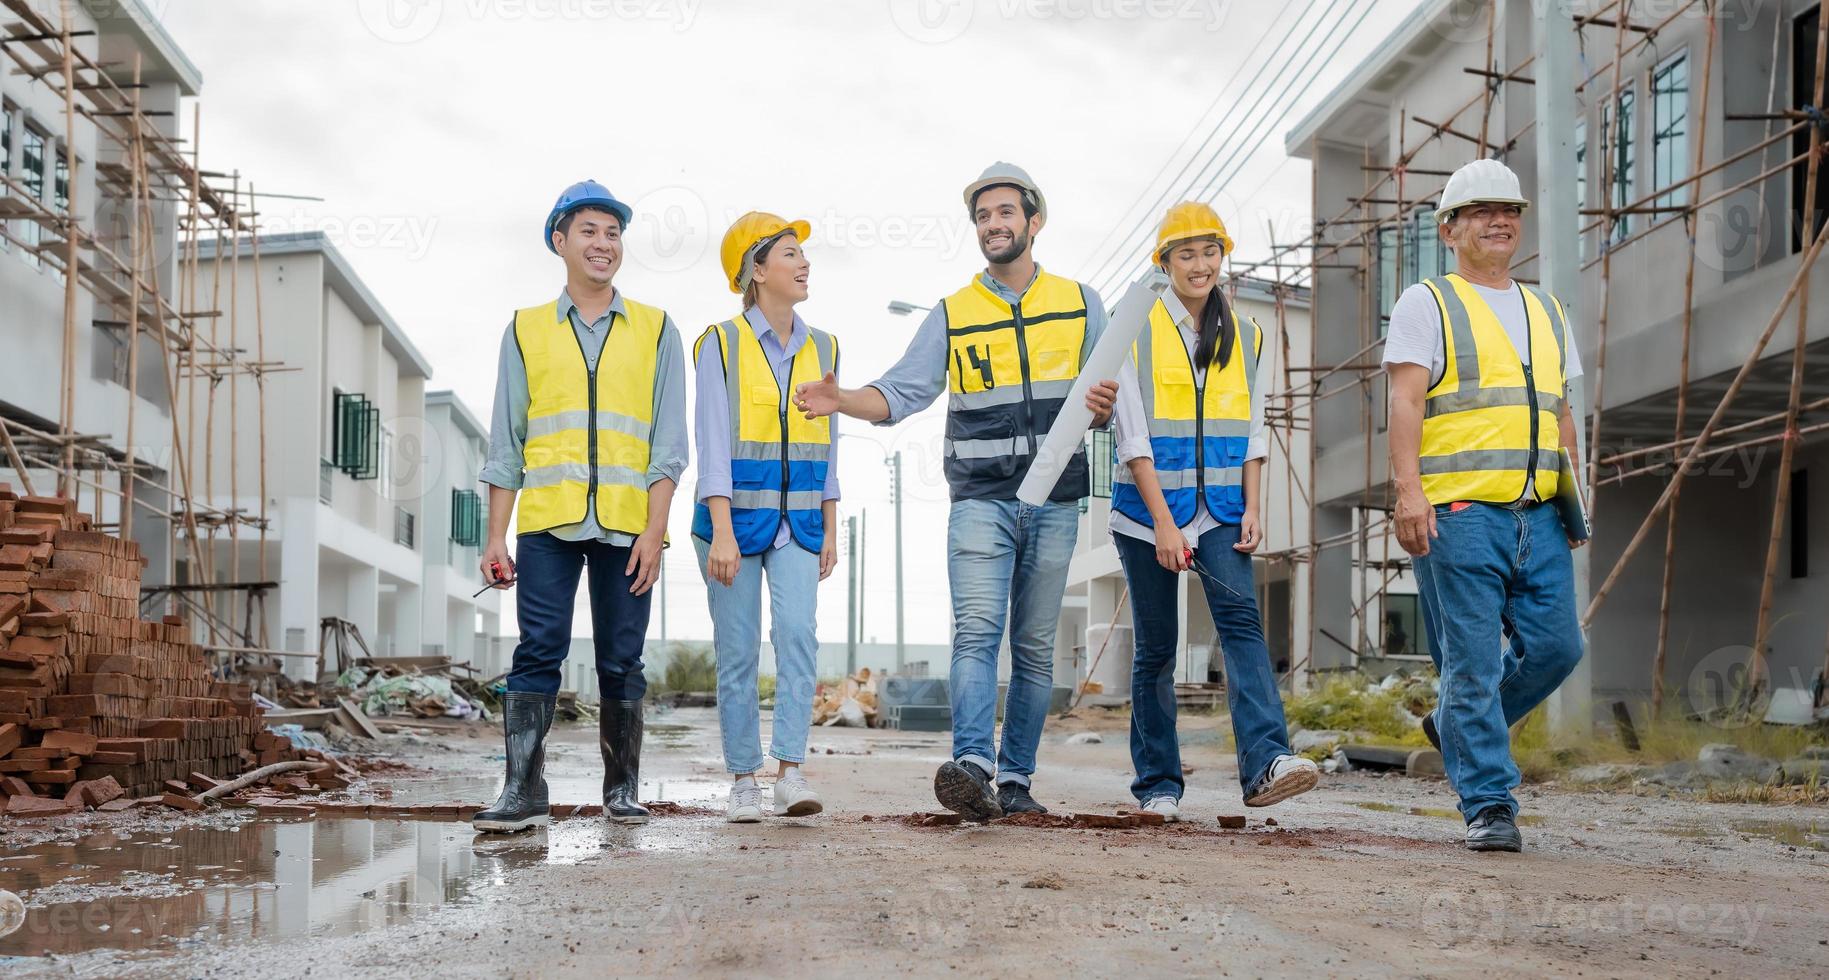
667 454
919 378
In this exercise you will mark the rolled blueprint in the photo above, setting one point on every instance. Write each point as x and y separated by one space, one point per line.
1070 426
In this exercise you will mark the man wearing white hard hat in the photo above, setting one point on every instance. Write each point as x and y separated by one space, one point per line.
1005 349
1479 366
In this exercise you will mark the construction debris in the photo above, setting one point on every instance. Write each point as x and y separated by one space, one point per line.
852 703
95 703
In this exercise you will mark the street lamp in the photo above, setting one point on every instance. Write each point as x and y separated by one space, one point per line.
893 462
900 308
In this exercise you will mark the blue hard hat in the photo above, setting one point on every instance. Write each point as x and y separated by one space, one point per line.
584 193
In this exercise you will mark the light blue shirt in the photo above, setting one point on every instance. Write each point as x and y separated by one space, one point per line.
711 417
915 381
667 452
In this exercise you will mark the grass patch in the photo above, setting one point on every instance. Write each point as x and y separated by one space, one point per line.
1542 756
1380 715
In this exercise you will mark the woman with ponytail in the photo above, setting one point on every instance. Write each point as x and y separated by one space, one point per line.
767 502
1185 497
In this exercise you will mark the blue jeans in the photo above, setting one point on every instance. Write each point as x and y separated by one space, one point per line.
1490 576
736 634
1005 560
546 589
1251 692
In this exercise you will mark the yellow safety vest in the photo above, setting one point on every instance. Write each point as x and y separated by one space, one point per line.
1492 423
1009 367
1199 432
778 456
587 432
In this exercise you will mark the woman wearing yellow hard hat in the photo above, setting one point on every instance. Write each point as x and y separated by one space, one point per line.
767 502
1186 495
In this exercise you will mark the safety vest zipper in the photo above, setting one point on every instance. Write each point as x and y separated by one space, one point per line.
1530 467
1022 360
781 403
590 439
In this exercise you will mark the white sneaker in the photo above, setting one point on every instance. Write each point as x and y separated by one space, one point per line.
1165 805
1289 775
745 801
794 798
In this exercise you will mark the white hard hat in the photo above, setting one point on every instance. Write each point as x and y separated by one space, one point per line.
1480 182
1011 174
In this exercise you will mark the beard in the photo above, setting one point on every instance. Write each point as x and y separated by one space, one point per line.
1019 243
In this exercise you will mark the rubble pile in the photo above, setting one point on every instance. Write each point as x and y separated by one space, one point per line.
97 704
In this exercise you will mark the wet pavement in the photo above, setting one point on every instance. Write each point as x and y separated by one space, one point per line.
1363 875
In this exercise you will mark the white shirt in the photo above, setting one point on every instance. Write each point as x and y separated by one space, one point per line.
1415 333
1130 423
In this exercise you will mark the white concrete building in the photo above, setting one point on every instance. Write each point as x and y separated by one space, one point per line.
348 472
455 517
1095 580
35 177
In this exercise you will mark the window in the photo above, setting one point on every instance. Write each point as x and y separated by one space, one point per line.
31 174
1670 129
1624 186
1424 257
60 185
1581 186
1403 634
6 159
466 518
356 436
1100 459
403 526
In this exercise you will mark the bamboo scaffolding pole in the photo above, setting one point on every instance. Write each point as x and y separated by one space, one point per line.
1787 453
1668 578
1718 451
1492 13
1610 142
260 383
134 246
67 468
234 409
1804 266
1664 447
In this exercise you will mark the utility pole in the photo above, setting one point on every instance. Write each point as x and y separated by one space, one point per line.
1558 248
863 574
850 596
895 490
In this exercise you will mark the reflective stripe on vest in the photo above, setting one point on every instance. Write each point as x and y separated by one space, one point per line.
1009 368
778 458
587 432
1199 432
1481 440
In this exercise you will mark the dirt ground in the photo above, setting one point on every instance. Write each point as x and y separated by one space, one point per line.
1364 876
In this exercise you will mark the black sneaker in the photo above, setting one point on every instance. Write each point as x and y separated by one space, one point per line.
1494 829
1015 798
1429 732
965 789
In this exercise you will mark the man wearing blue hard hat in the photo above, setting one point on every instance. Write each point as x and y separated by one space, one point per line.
589 430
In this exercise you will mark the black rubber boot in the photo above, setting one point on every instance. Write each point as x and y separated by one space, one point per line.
619 735
523 804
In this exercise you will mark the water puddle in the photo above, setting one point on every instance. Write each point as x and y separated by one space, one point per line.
584 786
1813 836
269 879
1445 813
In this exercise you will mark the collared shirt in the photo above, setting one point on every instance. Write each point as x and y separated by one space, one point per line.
711 417
1131 421
915 381
667 452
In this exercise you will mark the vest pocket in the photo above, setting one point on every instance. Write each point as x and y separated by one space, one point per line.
1054 364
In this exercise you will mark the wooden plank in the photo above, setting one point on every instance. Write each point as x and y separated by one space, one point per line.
355 719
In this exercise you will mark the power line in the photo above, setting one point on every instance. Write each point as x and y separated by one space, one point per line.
1265 125
1116 256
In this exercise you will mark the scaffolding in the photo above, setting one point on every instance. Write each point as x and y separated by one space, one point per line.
203 353
1394 193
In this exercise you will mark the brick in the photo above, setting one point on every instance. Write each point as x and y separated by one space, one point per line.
115 806
52 777
76 743
38 806
1231 821
14 786
179 801
10 737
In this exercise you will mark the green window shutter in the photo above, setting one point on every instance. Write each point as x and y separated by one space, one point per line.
466 518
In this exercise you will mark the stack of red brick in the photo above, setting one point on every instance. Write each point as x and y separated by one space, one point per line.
95 703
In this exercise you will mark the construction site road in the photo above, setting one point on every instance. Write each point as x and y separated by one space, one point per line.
1364 876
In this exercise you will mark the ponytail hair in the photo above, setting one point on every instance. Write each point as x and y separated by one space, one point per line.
756 259
1217 335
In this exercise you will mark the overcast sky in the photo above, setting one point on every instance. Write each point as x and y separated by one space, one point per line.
438 133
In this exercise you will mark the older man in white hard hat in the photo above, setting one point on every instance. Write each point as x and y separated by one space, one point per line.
1479 365
1005 349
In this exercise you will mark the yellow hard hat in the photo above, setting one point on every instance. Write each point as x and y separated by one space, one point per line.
746 233
1189 219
